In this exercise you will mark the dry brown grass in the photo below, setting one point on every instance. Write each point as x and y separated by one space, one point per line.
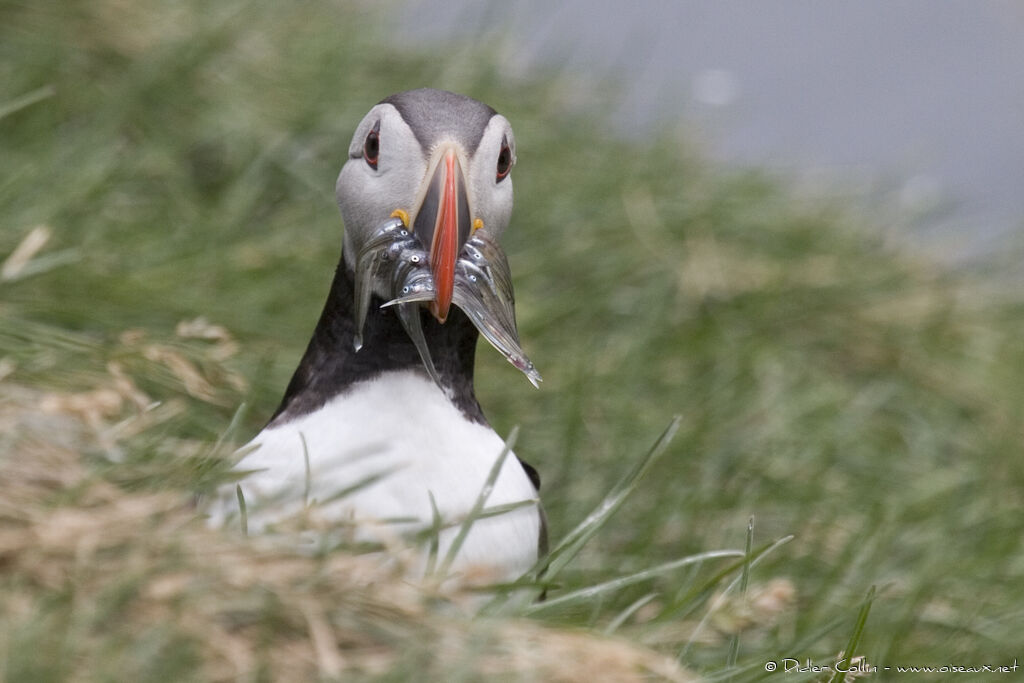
101 568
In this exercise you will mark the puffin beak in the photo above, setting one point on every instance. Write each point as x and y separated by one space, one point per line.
442 223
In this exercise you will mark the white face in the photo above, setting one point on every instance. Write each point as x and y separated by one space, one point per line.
368 195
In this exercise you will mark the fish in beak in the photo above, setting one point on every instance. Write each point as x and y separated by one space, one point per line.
443 258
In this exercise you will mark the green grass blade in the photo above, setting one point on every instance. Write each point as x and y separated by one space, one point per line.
839 676
27 100
752 562
308 479
625 614
745 576
505 508
434 541
734 644
236 421
478 505
621 582
243 513
574 541
368 480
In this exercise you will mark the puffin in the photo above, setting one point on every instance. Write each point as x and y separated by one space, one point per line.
379 431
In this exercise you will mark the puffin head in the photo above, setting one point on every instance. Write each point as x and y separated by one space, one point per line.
440 162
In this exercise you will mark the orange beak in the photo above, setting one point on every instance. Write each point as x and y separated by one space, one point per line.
443 223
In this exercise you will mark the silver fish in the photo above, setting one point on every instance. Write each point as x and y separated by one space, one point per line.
409 315
411 274
393 259
483 290
371 260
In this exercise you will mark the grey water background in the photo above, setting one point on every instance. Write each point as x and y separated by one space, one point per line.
914 109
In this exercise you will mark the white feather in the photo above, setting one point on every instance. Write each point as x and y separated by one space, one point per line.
402 426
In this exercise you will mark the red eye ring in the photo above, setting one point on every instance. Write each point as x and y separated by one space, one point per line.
371 148
504 161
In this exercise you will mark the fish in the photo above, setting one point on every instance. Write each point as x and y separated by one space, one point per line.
392 260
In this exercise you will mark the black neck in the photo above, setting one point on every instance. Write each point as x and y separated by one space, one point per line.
331 364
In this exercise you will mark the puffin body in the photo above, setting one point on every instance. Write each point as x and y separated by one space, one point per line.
379 428
351 441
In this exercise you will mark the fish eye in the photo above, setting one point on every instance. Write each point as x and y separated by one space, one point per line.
371 148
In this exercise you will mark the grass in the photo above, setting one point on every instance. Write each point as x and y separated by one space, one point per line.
168 170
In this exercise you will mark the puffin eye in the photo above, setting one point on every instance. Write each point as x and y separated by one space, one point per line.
504 161
371 148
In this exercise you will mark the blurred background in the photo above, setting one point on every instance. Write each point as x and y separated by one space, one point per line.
797 227
908 107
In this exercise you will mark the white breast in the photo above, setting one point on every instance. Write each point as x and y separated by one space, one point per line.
401 428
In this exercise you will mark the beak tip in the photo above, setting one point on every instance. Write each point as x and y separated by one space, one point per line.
440 310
